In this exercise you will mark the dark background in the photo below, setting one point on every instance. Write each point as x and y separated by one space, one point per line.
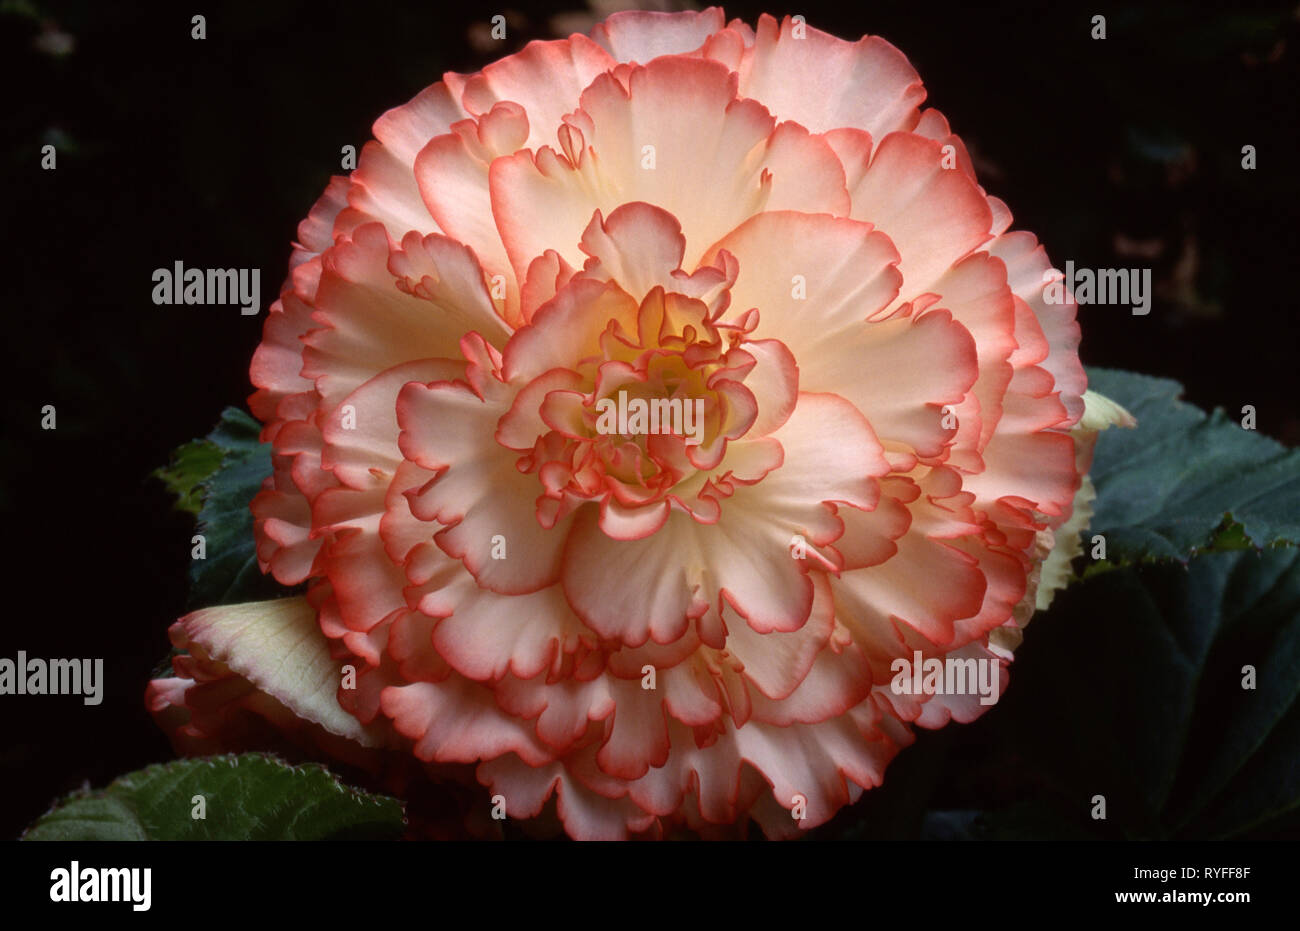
1117 153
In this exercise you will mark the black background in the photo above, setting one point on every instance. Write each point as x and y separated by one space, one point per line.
210 152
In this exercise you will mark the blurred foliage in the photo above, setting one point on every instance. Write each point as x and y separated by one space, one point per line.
251 796
191 466
1165 488
230 573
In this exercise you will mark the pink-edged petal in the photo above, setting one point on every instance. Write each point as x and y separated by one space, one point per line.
447 274
278 647
709 777
361 433
838 679
547 275
774 383
383 187
806 172
486 504
901 373
942 541
642 35
367 585
934 125
815 279
642 143
975 291
775 661
637 733
1027 461
368 323
406 129
933 215
277 362
383 190
486 635
316 232
621 522
870 600
1028 273
562 710
815 763
586 815
452 173
831 456
410 639
568 329
746 558
826 83
545 79
596 569
937 710
458 721
282 526
638 245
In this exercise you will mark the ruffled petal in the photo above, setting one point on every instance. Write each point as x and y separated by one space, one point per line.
278 648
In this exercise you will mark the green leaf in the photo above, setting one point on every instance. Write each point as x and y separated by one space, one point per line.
1131 687
247 797
230 573
191 466
1168 488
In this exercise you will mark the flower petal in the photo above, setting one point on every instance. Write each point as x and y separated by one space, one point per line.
277 646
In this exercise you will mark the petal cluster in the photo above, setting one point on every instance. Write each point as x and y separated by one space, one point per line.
638 403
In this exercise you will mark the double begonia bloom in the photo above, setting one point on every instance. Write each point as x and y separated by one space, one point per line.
636 405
